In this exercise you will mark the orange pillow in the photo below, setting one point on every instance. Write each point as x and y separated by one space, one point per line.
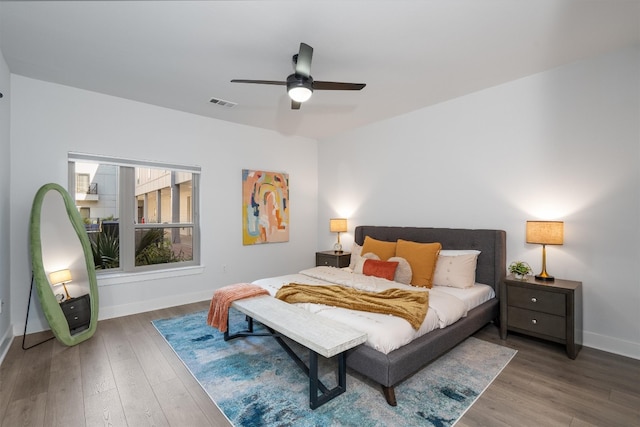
422 258
384 269
384 250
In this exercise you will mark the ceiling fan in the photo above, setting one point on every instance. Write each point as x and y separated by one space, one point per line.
300 85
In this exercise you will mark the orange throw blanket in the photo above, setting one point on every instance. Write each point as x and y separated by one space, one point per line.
409 305
222 299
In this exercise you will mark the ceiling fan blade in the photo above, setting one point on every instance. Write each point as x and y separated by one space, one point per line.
320 85
295 105
303 63
260 82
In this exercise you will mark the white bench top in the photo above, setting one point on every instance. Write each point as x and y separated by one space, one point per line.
326 337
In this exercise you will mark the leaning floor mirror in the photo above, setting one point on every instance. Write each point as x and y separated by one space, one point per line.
62 263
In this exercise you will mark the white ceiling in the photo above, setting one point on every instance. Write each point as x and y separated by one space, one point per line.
411 54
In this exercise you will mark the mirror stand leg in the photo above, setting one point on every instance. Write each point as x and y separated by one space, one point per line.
26 321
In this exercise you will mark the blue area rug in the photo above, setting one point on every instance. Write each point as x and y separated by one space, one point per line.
255 383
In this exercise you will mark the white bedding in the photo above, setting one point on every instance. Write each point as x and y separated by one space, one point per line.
385 333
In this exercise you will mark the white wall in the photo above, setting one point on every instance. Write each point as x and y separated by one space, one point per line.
49 120
563 144
5 317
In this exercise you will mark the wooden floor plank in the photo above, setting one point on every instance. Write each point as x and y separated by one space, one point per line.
9 376
178 404
65 399
140 405
34 371
97 376
112 332
104 409
26 412
151 359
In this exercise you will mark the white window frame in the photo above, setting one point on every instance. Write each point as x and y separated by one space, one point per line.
127 270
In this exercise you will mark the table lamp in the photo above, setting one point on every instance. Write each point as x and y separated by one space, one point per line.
61 277
338 225
545 233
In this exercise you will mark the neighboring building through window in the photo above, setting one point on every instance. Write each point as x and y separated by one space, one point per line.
139 215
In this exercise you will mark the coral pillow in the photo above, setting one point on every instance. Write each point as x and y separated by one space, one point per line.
383 269
422 258
361 260
384 250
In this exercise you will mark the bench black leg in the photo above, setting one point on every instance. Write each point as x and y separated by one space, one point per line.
316 400
319 394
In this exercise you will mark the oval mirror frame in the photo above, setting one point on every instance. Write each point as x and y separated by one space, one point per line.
50 305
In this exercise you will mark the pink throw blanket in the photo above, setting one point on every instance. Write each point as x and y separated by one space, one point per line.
222 299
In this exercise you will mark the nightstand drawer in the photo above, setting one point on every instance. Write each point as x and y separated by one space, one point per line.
537 300
77 311
537 322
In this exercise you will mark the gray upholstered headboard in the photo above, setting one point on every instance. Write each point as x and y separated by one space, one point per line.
492 245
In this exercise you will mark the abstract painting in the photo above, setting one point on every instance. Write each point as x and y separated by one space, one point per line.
265 207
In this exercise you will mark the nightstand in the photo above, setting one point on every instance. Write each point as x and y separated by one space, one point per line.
546 310
78 312
333 259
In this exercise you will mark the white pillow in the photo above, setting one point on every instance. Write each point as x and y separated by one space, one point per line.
356 251
360 263
403 272
456 268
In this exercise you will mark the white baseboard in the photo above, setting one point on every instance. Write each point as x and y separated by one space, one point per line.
5 343
155 304
612 345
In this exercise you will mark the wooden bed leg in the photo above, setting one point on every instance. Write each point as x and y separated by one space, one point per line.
390 395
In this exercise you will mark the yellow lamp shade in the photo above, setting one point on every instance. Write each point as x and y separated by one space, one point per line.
338 225
545 232
60 276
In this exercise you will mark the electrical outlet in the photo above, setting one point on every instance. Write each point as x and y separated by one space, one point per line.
224 268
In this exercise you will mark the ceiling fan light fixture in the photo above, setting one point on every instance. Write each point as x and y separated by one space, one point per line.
299 88
300 94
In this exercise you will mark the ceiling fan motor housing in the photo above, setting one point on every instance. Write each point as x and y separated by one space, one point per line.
299 87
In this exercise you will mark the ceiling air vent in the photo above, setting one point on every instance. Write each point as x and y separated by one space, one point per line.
222 102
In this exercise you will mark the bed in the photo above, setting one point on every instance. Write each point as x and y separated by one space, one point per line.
389 366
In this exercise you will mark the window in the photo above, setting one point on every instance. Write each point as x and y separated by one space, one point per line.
85 213
82 183
145 216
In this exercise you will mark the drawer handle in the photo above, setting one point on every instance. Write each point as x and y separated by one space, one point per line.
534 321
534 299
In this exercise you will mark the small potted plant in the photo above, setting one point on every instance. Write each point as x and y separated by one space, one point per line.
519 269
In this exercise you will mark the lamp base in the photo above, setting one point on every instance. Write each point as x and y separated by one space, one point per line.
545 278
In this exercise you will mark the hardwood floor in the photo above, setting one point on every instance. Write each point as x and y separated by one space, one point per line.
126 375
